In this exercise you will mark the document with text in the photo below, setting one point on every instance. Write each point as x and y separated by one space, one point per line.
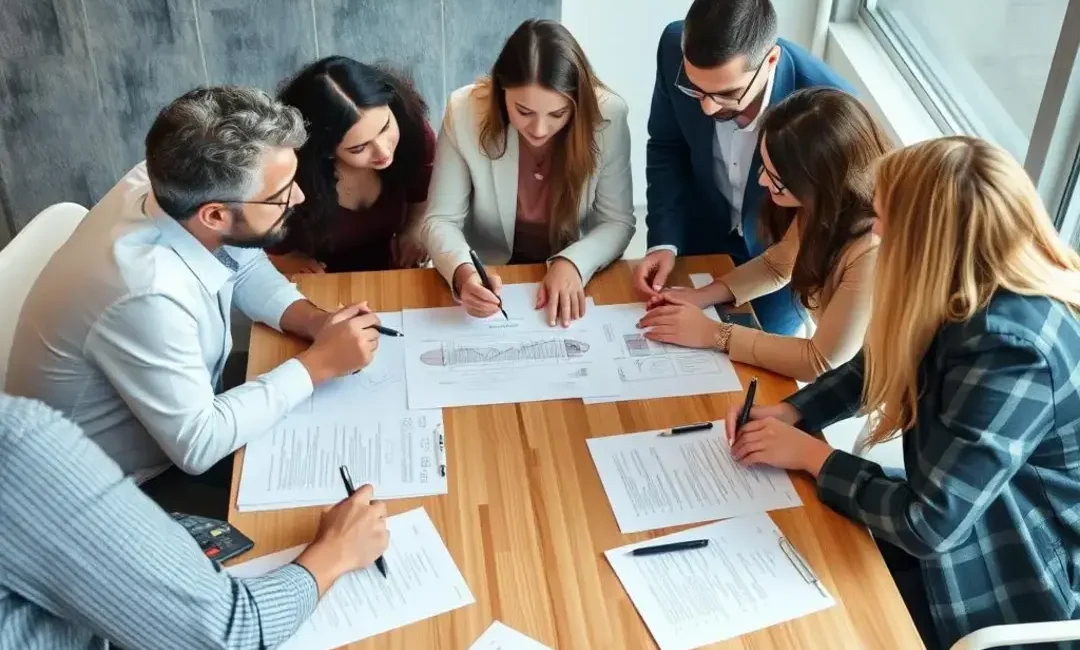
749 577
452 359
655 481
423 581
296 464
504 637
649 370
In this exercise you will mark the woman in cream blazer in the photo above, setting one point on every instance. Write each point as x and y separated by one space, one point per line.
532 167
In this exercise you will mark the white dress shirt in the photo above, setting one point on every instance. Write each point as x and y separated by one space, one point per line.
126 332
733 154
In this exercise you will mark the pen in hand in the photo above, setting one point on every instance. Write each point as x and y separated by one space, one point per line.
380 563
744 414
485 279
381 329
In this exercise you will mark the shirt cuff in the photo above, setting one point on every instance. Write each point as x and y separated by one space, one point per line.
278 302
837 479
802 401
664 247
293 383
284 599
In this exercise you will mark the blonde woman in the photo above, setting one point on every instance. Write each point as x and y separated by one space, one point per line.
973 357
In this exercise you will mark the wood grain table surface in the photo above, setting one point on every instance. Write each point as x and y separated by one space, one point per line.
527 520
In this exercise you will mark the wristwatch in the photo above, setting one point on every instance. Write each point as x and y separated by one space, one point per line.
722 341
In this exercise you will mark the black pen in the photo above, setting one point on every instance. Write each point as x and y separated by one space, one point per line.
744 417
668 548
380 563
381 329
385 331
689 428
485 280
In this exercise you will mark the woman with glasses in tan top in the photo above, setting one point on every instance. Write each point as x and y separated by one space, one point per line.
818 147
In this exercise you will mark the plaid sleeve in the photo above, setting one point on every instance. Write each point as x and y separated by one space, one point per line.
995 405
834 396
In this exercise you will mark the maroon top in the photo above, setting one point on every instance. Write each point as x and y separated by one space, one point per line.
360 239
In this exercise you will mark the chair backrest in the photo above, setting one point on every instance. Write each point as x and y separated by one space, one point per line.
22 261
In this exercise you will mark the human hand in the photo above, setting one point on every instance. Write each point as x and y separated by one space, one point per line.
407 251
773 440
783 412
561 293
295 263
653 271
343 346
679 323
351 535
679 295
477 300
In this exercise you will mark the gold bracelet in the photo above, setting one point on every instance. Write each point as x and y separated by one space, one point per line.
722 342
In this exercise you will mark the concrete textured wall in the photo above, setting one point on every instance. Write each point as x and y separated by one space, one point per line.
81 80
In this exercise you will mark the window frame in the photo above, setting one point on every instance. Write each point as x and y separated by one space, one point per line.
1053 152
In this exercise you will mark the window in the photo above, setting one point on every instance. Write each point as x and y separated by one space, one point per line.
1004 70
981 64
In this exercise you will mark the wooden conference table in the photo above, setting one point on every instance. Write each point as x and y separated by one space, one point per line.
527 520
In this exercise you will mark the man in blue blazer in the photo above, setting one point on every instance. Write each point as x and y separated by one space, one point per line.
716 72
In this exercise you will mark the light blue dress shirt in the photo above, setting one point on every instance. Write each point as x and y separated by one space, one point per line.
126 332
85 556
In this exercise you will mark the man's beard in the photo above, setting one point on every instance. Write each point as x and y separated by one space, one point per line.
243 237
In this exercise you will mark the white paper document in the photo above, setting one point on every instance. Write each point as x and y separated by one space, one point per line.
655 481
297 464
504 637
377 388
648 369
422 582
452 359
749 577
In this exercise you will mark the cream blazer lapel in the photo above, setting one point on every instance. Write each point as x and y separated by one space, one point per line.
504 183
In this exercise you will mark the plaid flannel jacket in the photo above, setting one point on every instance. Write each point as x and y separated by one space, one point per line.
991 501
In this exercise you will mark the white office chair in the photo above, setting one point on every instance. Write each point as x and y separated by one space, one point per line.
23 259
997 636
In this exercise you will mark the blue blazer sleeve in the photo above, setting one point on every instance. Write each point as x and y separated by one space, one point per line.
668 171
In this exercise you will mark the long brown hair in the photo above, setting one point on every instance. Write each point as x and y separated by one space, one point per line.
544 53
823 143
961 220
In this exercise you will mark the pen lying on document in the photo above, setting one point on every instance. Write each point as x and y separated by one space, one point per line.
380 563
689 428
440 450
688 545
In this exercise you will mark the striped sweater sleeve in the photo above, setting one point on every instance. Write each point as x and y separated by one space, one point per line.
84 544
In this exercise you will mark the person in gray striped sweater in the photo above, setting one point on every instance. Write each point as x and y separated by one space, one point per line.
87 559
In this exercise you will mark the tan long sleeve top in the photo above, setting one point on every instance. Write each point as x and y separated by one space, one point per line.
841 310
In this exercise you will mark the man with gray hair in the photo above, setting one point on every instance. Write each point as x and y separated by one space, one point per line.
126 332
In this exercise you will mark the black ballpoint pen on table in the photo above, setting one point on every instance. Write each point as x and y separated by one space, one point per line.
688 545
485 279
380 563
688 428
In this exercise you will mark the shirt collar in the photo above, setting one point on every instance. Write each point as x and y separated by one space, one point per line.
210 271
753 126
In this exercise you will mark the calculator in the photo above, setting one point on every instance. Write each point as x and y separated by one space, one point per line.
218 540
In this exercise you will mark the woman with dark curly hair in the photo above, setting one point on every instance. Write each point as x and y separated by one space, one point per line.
365 170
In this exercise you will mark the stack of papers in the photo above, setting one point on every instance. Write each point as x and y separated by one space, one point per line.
422 582
749 577
296 464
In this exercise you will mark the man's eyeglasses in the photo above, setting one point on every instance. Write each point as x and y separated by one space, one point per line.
723 101
267 201
776 187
